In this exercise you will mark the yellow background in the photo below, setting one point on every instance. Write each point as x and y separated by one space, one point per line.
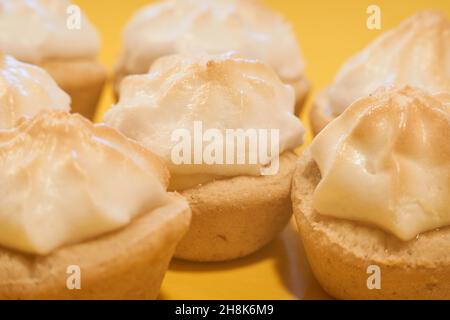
329 32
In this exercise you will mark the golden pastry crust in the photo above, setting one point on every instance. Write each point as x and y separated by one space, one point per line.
340 251
235 217
82 79
126 264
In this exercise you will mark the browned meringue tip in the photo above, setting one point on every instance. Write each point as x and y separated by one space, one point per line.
411 91
65 125
53 119
392 96
392 59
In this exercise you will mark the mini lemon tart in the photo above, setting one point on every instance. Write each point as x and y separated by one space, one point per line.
61 40
215 27
80 195
416 53
25 91
238 206
371 198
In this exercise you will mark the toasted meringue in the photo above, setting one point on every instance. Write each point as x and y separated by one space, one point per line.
416 53
57 171
25 91
36 30
214 27
55 35
223 92
386 161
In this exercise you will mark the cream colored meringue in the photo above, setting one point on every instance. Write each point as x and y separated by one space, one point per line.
65 180
386 161
36 30
222 92
25 91
214 27
416 53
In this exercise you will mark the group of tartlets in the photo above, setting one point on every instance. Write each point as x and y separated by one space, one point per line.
373 188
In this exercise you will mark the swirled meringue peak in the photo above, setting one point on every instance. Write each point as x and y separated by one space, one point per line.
25 91
386 161
65 180
36 30
214 27
416 53
222 92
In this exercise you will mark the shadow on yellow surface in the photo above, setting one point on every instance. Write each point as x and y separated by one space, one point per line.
248 278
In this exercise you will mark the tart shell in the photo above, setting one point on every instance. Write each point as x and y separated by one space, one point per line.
341 251
126 264
235 217
82 80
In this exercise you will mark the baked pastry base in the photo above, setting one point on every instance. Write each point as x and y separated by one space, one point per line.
126 264
83 80
340 251
235 217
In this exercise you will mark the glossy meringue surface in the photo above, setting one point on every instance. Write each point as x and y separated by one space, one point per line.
416 53
65 180
386 161
37 30
25 91
214 27
222 92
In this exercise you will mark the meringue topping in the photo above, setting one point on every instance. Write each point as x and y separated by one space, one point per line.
386 161
65 180
222 92
25 91
214 27
36 30
416 53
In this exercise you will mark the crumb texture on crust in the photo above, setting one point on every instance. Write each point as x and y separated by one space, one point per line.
235 217
340 251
